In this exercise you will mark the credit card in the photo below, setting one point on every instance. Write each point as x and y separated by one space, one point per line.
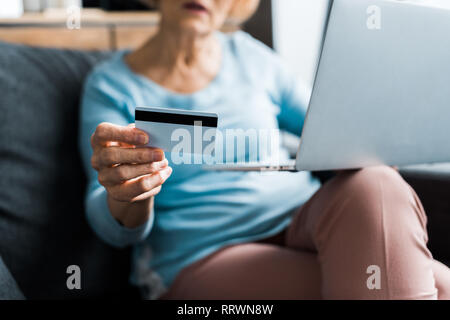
177 130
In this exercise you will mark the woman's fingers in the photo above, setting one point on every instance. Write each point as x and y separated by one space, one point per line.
106 132
107 157
146 186
147 195
129 174
119 174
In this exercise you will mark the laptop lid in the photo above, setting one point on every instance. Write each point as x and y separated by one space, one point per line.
381 93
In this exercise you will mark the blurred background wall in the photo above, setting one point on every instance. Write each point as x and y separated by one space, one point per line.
297 33
292 27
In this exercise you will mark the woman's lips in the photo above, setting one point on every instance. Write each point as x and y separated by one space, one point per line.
194 6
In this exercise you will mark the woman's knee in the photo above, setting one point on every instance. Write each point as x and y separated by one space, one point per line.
375 184
378 195
371 178
370 199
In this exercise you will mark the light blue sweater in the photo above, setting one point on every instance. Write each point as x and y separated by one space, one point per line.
198 212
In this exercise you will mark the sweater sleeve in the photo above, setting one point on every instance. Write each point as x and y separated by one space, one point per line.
101 103
294 101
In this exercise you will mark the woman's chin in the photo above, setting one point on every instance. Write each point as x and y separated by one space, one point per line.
196 28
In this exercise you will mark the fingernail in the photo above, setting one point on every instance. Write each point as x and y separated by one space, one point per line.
165 173
164 163
158 155
142 138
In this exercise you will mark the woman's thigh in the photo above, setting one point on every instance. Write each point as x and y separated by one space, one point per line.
250 271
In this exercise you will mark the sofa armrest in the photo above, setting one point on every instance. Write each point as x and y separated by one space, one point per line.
432 184
9 290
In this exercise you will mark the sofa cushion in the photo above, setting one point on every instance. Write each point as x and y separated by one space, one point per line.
8 286
42 224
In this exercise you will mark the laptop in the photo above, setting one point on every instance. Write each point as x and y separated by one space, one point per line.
381 93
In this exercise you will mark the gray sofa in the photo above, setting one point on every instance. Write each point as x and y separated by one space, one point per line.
42 224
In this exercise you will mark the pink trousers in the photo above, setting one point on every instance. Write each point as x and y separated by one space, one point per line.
361 236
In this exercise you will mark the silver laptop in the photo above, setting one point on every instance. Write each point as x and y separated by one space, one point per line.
382 89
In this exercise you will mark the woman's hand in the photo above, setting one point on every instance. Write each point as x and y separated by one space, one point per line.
131 176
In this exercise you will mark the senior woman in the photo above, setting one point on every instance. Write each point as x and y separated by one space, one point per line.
229 235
